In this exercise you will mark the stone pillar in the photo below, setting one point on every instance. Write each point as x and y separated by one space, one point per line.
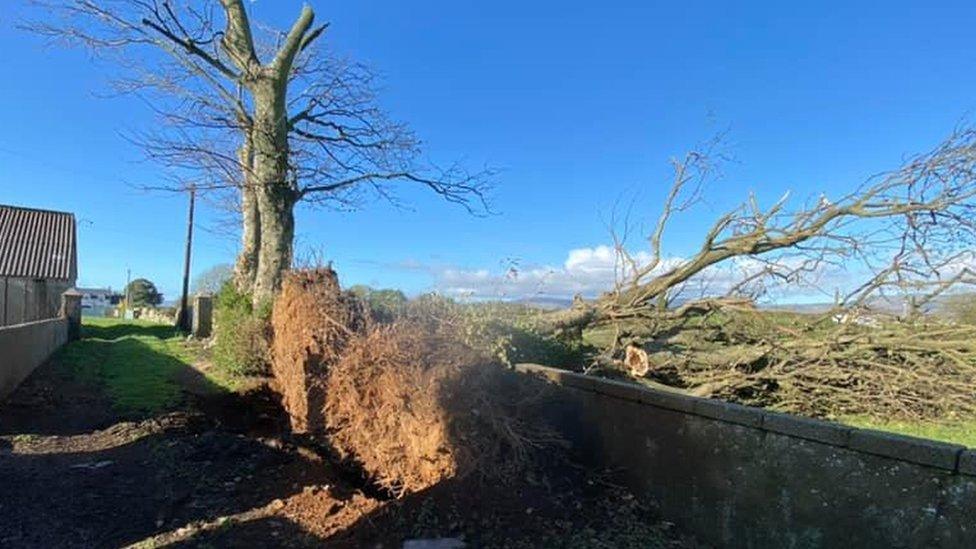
202 310
71 309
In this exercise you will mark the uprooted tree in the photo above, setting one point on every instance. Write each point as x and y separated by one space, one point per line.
408 401
907 236
912 231
262 114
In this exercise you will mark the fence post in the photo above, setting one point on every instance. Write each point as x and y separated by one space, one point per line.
202 323
71 309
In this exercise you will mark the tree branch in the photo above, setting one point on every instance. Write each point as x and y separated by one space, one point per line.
192 49
237 40
294 42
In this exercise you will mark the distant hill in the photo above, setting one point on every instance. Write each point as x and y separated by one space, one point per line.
544 302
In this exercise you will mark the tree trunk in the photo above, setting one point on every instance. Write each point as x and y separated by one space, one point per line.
275 196
277 234
245 270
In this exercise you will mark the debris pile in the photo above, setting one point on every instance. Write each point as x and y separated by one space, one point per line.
813 365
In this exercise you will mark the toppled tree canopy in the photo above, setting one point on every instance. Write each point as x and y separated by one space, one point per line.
815 366
909 236
911 231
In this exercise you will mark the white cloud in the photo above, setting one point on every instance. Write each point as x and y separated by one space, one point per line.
588 271
592 271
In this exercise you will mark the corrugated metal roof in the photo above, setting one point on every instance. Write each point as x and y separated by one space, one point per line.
37 243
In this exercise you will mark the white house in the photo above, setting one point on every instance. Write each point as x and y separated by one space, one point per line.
99 301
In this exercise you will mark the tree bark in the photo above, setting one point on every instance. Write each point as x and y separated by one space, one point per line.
277 235
275 196
245 270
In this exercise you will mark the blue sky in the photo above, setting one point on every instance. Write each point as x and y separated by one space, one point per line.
579 103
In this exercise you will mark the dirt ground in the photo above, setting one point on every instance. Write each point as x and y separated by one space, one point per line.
220 469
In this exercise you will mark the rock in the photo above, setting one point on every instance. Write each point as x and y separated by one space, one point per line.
439 543
91 465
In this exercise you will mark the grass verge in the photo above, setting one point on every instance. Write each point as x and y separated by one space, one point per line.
956 432
143 367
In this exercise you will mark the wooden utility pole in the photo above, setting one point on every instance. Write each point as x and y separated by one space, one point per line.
183 321
128 301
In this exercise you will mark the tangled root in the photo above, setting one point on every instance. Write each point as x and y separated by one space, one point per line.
407 402
313 322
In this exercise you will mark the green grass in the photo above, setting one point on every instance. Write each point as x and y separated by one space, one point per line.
957 432
231 382
137 363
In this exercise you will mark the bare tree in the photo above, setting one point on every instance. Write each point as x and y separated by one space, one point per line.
277 120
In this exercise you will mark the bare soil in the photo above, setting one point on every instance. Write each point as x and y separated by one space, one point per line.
224 470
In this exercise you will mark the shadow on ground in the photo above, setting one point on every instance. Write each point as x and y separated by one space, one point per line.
114 480
172 473
114 442
115 373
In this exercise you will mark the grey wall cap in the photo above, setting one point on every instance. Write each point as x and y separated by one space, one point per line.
618 389
669 400
967 463
552 374
810 429
565 377
727 411
915 450
662 399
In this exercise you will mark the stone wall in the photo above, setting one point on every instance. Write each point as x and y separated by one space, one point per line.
24 347
744 477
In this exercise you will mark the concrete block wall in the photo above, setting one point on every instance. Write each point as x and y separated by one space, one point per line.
24 347
26 300
745 477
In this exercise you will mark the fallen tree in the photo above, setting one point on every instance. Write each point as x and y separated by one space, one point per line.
912 230
909 234
814 366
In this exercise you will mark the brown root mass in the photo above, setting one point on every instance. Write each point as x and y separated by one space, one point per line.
408 402
313 321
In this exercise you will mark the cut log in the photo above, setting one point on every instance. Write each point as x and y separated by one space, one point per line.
637 361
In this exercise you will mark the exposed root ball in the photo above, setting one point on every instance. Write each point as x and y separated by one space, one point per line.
407 402
383 408
313 321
